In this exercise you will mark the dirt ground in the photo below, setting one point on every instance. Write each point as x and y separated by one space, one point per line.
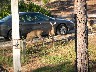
58 8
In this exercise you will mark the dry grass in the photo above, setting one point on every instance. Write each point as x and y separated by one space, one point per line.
61 58
48 59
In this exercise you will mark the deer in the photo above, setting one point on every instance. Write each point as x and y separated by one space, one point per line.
90 24
51 32
35 33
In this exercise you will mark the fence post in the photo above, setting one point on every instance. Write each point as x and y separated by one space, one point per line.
23 46
15 36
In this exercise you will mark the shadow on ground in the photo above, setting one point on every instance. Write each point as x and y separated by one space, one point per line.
63 67
92 9
61 6
67 7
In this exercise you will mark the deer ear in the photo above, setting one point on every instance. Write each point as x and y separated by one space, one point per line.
50 22
54 22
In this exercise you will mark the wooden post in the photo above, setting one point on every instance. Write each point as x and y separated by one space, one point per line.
23 46
82 36
15 35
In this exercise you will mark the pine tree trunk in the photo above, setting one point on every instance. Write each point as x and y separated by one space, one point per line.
15 35
82 36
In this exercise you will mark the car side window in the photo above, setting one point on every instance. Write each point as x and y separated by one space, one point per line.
26 18
21 19
33 17
40 17
44 17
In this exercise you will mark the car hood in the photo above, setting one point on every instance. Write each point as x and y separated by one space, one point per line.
62 20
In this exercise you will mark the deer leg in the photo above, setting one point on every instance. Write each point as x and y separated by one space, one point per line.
49 37
53 41
91 30
43 41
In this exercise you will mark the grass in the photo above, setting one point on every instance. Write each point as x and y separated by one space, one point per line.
92 53
6 57
60 58
59 54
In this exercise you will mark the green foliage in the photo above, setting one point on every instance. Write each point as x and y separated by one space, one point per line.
61 58
23 7
5 8
46 1
63 67
31 7
6 57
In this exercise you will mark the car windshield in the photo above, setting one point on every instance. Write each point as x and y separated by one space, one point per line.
6 18
39 16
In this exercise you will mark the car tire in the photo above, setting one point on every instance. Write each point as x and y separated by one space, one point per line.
10 35
62 29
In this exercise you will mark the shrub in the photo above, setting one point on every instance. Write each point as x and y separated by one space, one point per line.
23 7
46 1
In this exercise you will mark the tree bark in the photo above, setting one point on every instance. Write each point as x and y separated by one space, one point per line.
82 36
15 35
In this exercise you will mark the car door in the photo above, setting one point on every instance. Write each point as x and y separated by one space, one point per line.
45 25
43 22
27 23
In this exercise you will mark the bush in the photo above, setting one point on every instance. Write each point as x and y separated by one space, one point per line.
31 7
46 1
23 7
5 8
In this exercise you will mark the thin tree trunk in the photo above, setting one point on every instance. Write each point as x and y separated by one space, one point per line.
82 36
15 35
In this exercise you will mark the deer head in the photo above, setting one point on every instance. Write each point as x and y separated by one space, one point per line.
52 24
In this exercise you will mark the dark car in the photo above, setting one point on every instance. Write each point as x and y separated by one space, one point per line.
29 21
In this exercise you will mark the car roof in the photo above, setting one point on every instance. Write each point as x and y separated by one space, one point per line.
28 12
21 13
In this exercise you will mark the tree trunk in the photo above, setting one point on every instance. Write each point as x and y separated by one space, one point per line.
82 36
15 35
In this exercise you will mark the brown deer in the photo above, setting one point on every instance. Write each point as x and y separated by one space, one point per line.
33 34
51 32
90 24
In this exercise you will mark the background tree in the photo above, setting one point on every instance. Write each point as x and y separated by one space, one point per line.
81 35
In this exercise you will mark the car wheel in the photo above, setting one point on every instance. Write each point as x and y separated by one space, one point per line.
10 35
62 29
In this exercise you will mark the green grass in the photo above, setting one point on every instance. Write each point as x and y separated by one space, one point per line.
60 58
63 67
